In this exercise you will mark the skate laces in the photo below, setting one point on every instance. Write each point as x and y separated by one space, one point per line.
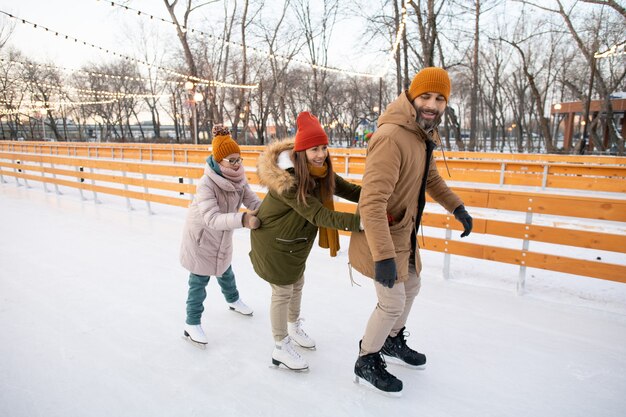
383 362
298 327
378 366
291 350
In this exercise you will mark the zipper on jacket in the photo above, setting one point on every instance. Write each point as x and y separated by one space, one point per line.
421 199
290 241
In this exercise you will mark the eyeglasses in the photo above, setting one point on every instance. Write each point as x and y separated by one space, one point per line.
234 161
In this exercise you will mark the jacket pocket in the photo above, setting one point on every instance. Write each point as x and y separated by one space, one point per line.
292 241
294 247
401 233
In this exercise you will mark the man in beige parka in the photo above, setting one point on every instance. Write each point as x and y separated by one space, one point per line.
399 169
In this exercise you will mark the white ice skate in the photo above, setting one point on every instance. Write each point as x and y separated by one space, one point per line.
298 335
195 335
285 354
240 307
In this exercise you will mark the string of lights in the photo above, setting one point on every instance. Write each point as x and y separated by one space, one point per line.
617 49
396 44
85 72
198 80
39 104
251 49
25 108
91 73
9 112
112 94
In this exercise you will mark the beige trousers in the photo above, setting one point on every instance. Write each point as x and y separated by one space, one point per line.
286 301
390 314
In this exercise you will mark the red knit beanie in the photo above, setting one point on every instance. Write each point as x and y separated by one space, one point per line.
223 144
310 132
430 80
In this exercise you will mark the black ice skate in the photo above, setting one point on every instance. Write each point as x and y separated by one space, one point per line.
370 371
397 351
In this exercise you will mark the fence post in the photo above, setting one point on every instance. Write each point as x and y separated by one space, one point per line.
81 180
17 170
502 169
93 182
446 256
128 204
186 159
54 175
347 158
544 181
521 280
147 191
191 194
2 181
45 185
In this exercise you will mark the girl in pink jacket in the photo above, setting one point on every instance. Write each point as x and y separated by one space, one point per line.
207 244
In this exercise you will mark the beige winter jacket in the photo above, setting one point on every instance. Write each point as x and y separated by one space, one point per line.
394 169
207 244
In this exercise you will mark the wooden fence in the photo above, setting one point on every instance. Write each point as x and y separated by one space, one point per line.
173 184
594 173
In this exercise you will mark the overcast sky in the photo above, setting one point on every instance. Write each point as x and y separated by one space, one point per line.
99 23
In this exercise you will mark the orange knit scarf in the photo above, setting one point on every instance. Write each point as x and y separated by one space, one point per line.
329 238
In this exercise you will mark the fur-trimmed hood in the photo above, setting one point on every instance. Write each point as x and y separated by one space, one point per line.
281 246
272 166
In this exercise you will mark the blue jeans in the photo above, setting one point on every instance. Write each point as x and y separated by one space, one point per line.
197 293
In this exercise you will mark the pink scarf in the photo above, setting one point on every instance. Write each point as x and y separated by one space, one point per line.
236 176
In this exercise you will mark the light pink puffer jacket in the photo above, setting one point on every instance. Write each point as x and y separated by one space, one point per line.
207 245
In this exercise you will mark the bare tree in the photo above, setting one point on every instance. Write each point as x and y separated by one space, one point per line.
43 85
6 30
610 3
317 33
588 47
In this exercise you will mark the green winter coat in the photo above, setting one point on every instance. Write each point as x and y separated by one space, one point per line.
281 246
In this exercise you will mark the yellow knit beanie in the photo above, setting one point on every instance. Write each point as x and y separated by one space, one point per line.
223 144
430 80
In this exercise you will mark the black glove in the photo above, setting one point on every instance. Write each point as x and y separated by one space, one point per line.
466 220
385 272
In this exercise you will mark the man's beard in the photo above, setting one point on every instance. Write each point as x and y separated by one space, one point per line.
427 124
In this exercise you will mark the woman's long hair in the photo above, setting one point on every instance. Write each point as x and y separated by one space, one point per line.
305 183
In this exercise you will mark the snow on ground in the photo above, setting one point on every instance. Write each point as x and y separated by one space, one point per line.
92 303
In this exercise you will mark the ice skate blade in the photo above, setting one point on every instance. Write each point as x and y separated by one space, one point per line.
360 381
397 361
276 365
304 347
237 311
201 346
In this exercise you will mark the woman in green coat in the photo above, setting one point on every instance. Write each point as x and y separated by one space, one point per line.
301 183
